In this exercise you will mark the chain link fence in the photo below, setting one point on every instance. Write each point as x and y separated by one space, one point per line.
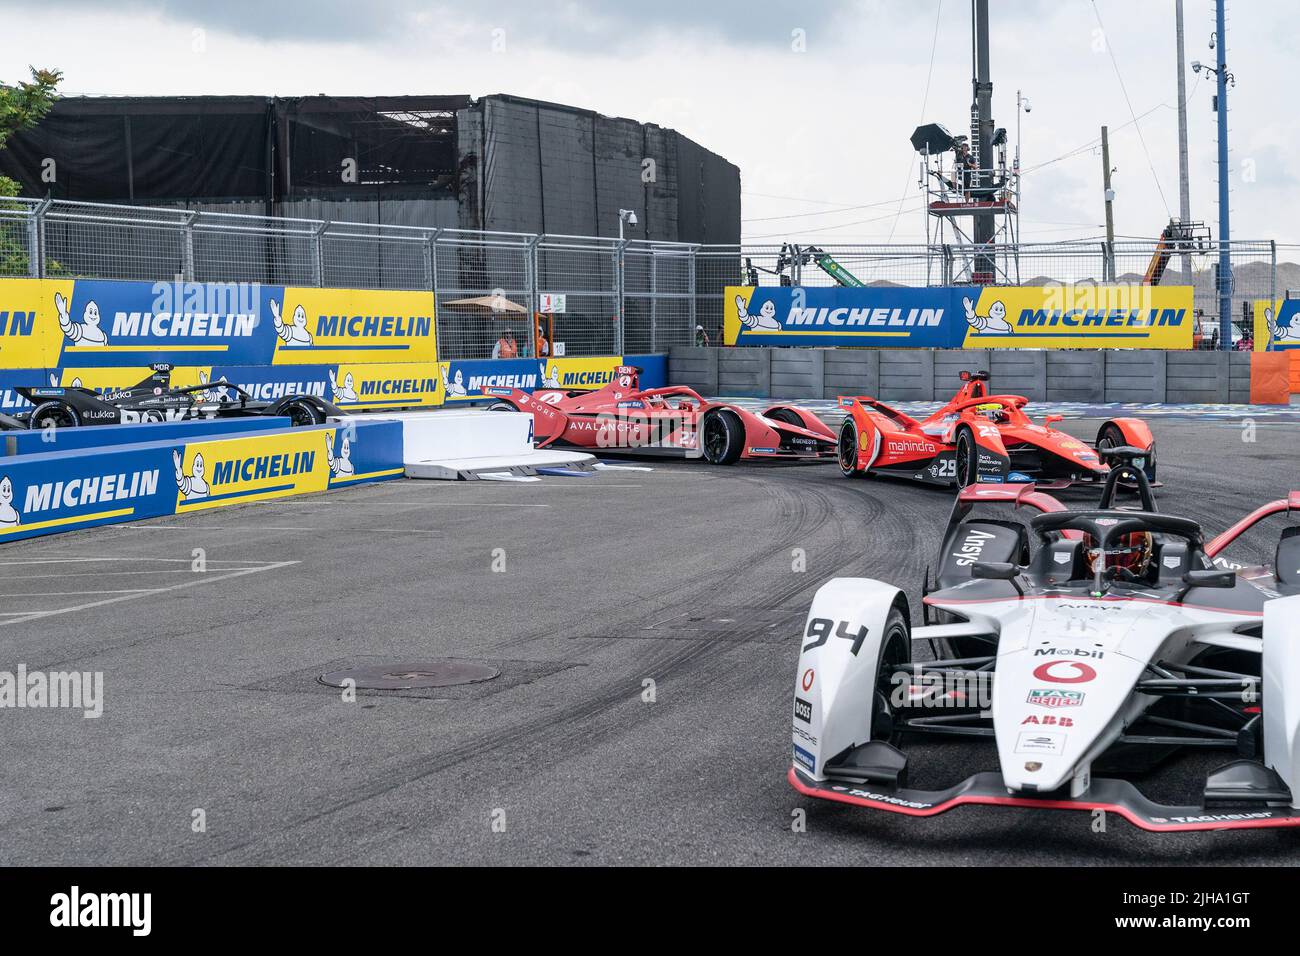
619 297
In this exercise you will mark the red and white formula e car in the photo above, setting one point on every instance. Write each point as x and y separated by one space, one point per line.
673 420
978 437
1088 646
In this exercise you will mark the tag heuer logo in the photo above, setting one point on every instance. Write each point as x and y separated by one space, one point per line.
1055 698
1060 557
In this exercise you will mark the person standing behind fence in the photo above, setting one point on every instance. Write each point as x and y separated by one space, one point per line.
701 337
506 347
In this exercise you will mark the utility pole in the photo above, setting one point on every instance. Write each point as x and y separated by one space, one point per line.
1109 193
982 134
1184 193
1225 234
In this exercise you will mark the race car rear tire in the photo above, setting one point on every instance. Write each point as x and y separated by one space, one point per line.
53 414
966 458
501 407
722 437
895 653
302 414
846 451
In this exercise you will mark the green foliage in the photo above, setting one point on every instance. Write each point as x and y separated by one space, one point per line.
21 107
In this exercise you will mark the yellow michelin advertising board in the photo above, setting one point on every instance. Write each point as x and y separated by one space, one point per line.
1077 316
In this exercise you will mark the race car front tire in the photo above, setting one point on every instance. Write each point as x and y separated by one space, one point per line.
53 414
502 407
302 414
846 452
895 654
966 460
1110 436
723 437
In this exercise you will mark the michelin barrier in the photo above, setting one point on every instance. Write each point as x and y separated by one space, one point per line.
70 490
72 439
1081 316
359 387
360 349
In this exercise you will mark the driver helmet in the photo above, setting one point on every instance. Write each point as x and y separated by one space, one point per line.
993 411
1130 551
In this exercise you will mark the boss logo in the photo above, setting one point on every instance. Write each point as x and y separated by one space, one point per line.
803 710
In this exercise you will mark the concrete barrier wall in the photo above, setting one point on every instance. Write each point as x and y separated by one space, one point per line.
1117 375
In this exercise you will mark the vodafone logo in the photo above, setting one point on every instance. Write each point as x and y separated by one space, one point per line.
807 680
1065 672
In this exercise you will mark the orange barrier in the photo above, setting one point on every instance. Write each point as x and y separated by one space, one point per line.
1272 375
1295 369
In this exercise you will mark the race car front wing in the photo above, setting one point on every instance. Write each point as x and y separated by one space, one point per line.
988 789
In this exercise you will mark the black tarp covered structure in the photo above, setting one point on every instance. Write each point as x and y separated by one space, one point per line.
499 162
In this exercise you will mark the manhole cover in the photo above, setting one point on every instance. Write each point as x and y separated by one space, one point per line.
411 676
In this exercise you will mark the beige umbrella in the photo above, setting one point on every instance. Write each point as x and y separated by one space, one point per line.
497 304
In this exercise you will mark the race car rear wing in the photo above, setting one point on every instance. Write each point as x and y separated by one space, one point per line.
867 402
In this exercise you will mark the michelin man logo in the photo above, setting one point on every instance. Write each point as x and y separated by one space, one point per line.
87 331
551 380
1283 333
54 381
193 485
9 516
995 322
294 333
765 321
345 393
217 394
340 467
456 386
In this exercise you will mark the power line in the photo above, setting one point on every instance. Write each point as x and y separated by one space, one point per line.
821 229
925 102
826 212
1124 89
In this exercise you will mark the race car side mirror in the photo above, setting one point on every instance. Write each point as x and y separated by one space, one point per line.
994 570
998 571
1053 419
1212 578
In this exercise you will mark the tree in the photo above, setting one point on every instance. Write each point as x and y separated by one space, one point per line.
21 107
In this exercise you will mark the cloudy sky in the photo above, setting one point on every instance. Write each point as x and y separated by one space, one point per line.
814 101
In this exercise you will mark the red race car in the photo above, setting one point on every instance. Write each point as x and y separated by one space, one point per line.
978 437
673 420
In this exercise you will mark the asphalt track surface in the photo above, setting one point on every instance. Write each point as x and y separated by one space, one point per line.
681 576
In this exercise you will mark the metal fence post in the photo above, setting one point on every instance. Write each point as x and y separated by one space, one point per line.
36 240
187 254
654 299
695 262
620 278
1272 273
530 267
318 254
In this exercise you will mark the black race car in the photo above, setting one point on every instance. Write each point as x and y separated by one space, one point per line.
155 400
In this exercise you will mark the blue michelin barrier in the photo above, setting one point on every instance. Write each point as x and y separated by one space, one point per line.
51 492
70 439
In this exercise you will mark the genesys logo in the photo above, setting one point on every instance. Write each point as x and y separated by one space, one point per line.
76 909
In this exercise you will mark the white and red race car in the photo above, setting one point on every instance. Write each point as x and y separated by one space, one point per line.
1088 646
674 420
